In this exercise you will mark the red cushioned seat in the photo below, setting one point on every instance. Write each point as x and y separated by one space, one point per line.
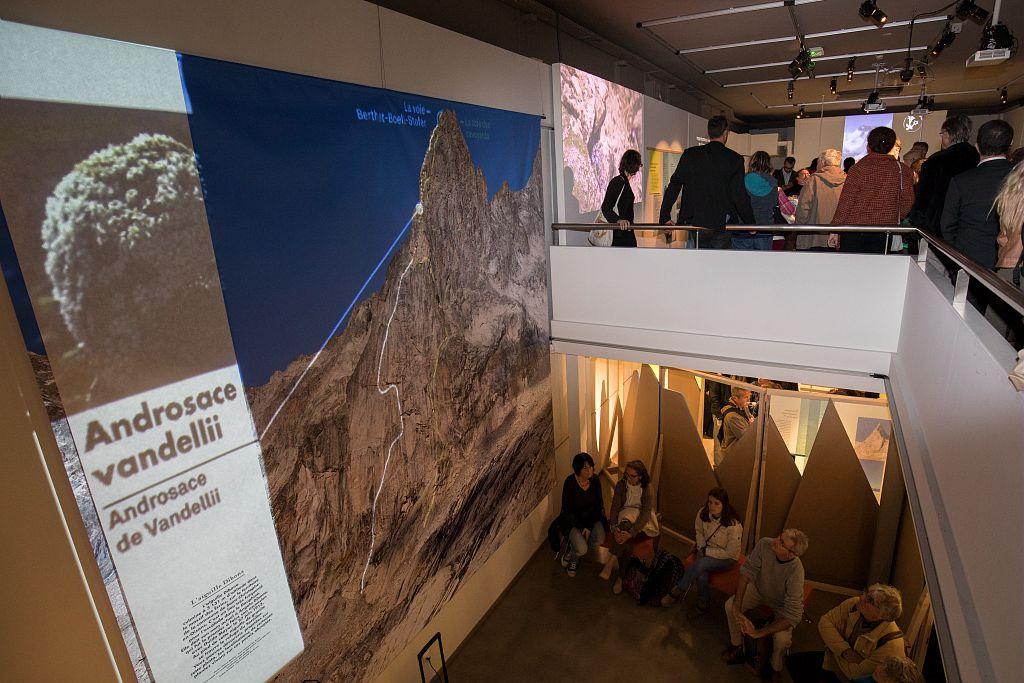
725 580
640 546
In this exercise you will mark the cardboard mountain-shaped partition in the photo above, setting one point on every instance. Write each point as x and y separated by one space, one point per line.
640 418
836 508
781 480
686 474
737 469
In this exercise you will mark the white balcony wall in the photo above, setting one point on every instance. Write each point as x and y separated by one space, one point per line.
836 311
964 428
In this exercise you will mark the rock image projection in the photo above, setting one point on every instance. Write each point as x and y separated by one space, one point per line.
600 121
422 435
855 132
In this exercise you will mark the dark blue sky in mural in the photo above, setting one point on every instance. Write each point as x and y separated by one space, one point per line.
310 184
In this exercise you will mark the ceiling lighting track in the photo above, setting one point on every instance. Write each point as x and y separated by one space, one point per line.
819 59
725 12
661 41
887 97
783 80
823 34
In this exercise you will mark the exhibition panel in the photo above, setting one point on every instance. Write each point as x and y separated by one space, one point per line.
338 290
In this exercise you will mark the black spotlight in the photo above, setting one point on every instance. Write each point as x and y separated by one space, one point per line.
832 85
800 114
907 74
850 65
870 12
801 65
944 41
1003 97
967 9
789 90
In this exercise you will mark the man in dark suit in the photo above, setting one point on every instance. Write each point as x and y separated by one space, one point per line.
711 179
786 177
957 155
969 220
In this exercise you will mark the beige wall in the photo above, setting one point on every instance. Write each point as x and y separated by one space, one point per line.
344 40
52 627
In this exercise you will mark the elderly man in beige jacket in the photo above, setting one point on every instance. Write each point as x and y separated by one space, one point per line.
860 633
819 198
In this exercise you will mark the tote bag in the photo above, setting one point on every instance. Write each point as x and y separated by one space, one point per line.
603 237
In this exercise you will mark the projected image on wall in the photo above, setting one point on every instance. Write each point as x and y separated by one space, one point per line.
600 121
855 133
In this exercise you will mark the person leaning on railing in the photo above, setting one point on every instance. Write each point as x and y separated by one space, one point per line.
968 221
617 207
1009 205
711 179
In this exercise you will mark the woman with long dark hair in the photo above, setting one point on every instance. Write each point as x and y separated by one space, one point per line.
617 207
718 533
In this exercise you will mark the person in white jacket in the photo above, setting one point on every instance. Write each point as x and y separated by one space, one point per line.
718 533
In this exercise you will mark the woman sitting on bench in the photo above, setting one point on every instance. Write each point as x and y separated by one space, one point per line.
718 534
632 515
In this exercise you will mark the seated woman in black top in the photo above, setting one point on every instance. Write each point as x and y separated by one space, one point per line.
582 511
617 206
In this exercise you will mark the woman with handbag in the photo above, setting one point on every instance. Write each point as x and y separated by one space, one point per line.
632 516
718 535
617 207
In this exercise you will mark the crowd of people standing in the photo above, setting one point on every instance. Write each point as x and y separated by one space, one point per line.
969 193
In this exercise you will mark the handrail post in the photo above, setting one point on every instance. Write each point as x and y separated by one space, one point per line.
922 253
888 241
960 292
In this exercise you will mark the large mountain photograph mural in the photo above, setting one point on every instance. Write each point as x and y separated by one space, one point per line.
381 260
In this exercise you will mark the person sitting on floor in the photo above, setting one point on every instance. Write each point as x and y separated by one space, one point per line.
859 635
774 576
632 515
717 548
897 670
582 511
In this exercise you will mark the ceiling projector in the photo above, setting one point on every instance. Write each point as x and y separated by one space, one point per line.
997 46
924 106
989 57
873 103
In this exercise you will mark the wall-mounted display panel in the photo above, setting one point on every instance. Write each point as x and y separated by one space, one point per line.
276 320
